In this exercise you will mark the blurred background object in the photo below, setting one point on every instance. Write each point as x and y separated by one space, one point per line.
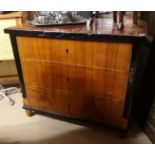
8 72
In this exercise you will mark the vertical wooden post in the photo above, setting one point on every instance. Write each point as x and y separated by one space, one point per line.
135 17
115 16
19 21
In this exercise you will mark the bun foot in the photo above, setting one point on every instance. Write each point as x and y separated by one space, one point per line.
29 112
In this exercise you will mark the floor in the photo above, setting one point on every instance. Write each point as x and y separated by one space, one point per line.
17 127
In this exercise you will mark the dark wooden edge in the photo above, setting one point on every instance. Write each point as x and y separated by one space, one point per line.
18 63
130 85
76 36
144 97
133 71
72 119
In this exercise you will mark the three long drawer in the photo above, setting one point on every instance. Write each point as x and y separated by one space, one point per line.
83 79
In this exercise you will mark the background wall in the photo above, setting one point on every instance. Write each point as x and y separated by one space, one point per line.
149 17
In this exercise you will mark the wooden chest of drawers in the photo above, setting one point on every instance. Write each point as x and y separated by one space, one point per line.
79 78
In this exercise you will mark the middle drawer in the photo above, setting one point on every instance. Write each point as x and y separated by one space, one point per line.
91 82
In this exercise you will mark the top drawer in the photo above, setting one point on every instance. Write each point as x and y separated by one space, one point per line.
106 55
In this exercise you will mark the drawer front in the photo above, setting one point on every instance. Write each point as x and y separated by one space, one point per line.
91 82
112 56
76 105
50 101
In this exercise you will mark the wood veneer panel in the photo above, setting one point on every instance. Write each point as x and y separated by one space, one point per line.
112 56
91 82
83 79
76 105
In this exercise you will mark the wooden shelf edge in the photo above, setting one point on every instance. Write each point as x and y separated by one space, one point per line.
12 15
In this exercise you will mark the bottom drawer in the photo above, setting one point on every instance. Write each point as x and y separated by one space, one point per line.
77 105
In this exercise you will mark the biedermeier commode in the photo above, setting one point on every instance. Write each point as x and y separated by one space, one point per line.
79 72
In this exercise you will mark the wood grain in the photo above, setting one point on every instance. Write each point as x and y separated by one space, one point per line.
77 105
100 55
91 82
83 79
100 26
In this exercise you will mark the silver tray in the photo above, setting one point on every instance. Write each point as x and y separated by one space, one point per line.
59 24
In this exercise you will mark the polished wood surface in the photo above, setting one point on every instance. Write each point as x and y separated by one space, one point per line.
100 26
77 106
82 79
91 54
91 82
